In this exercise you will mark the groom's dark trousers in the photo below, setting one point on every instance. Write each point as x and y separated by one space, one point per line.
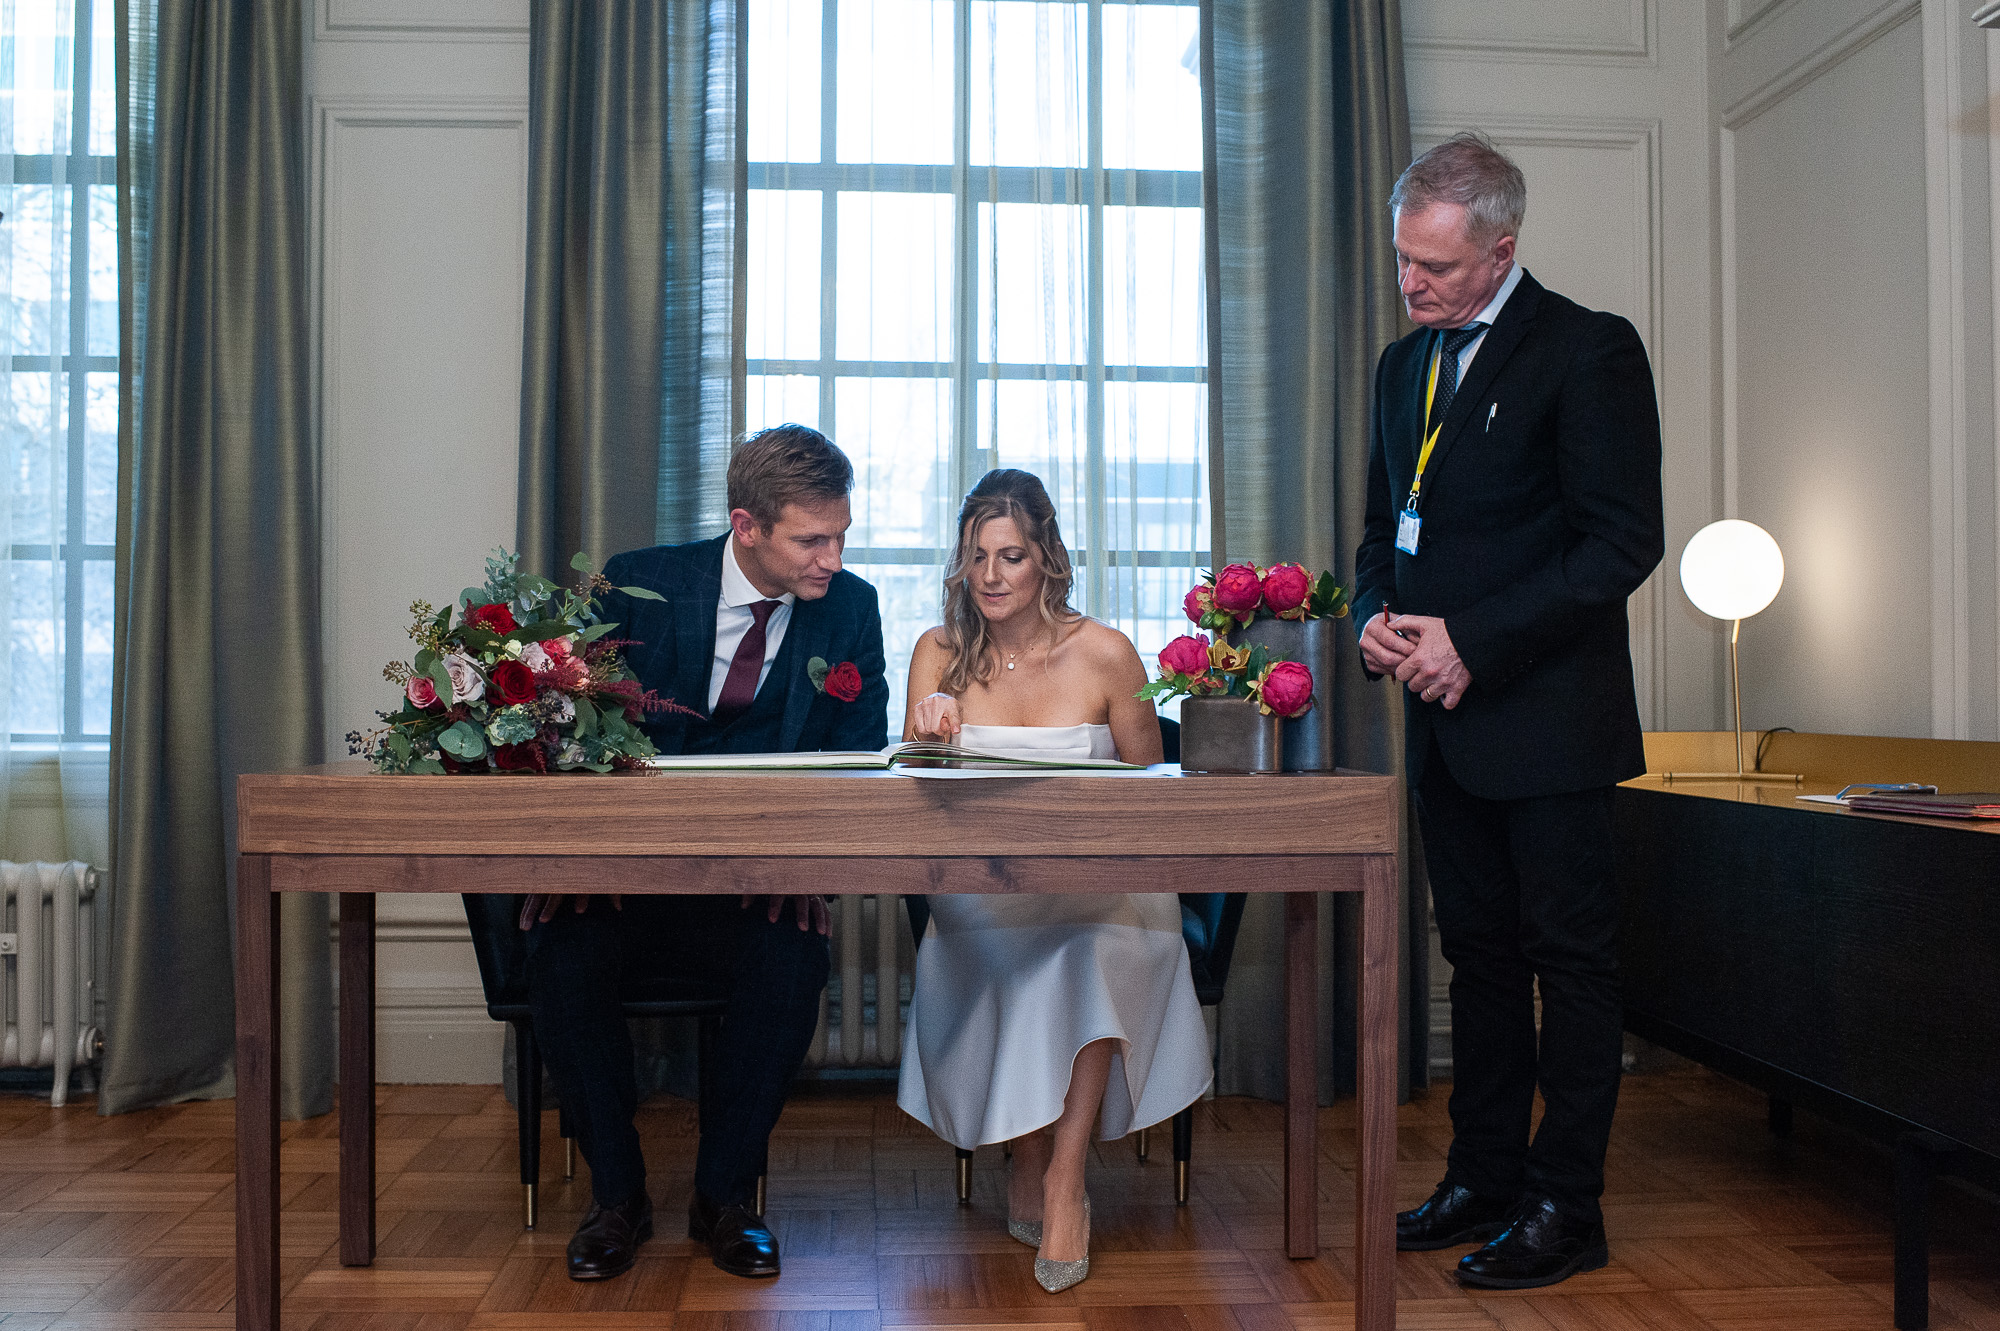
771 972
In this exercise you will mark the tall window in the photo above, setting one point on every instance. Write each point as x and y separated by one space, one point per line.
974 241
59 378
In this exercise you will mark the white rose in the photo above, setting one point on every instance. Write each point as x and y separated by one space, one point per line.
572 753
467 684
533 657
567 712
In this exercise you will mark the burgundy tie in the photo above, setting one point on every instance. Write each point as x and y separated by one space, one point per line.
739 687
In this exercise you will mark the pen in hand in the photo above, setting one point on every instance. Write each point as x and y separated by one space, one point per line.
1385 623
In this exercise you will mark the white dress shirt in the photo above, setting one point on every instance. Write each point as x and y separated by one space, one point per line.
1487 316
733 619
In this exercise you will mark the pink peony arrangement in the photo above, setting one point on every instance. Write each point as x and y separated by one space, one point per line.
1199 667
1232 598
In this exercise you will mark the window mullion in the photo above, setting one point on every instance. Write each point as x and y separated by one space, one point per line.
78 382
965 448
829 206
1096 590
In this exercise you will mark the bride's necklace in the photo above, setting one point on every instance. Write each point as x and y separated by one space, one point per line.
1011 655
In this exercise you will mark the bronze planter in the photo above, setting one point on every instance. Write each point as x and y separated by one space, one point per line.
1229 735
1311 642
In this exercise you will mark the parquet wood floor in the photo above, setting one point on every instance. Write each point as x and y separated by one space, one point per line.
1714 1225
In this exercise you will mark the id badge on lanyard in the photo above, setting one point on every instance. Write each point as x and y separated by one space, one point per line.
1409 523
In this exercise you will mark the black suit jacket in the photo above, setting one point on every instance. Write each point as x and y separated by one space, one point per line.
1536 528
673 650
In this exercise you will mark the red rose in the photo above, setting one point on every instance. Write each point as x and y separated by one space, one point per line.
1198 602
1287 689
844 682
421 691
1185 655
1238 590
512 683
495 617
526 757
1286 587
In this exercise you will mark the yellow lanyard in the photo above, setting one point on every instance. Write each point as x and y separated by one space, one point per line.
1430 440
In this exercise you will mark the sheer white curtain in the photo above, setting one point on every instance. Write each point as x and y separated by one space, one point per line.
975 241
58 418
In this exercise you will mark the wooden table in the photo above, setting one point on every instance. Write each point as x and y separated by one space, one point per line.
344 830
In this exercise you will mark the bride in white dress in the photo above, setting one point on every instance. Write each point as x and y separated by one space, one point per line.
1034 1016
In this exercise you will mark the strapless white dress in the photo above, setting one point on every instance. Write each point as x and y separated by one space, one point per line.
1010 989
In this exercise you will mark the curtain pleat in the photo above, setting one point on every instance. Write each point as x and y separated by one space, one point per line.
1309 122
628 362
219 659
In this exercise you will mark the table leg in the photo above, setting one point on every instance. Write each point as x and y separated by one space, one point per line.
1375 1079
1301 1074
256 1096
357 1078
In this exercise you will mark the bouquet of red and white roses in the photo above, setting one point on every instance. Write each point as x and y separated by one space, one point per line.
1228 600
528 680
1201 668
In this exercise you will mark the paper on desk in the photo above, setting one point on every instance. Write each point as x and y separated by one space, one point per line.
984 773
1821 799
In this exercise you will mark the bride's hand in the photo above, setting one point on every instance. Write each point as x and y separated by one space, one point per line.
936 717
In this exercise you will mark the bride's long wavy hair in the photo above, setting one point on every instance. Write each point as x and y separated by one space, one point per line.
1005 493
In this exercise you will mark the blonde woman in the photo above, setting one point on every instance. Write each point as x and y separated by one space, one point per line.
1034 1017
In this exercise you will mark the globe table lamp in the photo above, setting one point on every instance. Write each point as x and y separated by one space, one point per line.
1731 570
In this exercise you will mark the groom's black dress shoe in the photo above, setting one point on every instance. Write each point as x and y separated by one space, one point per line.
1541 1247
607 1242
738 1240
1452 1216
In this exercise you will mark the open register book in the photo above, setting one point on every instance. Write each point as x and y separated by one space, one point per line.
903 756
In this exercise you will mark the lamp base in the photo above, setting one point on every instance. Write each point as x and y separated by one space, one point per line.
1792 778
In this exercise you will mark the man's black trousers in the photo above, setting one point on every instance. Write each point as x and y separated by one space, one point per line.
1524 891
773 975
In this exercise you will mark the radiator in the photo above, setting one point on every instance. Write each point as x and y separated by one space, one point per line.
868 995
48 973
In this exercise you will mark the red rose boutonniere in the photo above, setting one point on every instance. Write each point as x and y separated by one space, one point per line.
841 682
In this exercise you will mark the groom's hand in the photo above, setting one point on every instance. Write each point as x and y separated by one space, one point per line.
541 907
811 909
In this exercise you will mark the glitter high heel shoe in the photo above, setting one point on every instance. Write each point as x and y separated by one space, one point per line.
1025 1231
1055 1277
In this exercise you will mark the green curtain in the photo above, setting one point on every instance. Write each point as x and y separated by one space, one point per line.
218 645
629 362
1308 127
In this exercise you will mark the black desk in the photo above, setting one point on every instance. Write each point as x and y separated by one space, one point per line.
1843 962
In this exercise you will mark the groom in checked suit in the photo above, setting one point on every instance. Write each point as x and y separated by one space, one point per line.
1513 506
741 617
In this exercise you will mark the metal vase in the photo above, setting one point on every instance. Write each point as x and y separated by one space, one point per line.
1229 735
1309 739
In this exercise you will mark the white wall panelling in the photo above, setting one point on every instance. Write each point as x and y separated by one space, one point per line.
421 20
1564 31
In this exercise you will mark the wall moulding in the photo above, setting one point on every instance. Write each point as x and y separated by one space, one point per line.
420 21
1452 39
1745 17
1871 28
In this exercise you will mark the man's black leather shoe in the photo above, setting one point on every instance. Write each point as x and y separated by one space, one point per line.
607 1242
1452 1216
1541 1247
738 1240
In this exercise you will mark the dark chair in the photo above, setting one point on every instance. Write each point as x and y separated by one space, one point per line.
503 972
1209 921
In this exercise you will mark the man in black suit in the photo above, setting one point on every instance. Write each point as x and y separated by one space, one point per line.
741 621
1513 506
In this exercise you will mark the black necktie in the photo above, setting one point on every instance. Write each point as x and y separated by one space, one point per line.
1455 340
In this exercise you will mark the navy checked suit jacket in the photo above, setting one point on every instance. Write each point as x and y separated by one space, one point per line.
672 650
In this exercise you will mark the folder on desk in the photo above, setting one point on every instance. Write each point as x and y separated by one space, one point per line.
1979 804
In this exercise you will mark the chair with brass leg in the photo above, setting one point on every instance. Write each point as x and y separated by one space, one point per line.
503 974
